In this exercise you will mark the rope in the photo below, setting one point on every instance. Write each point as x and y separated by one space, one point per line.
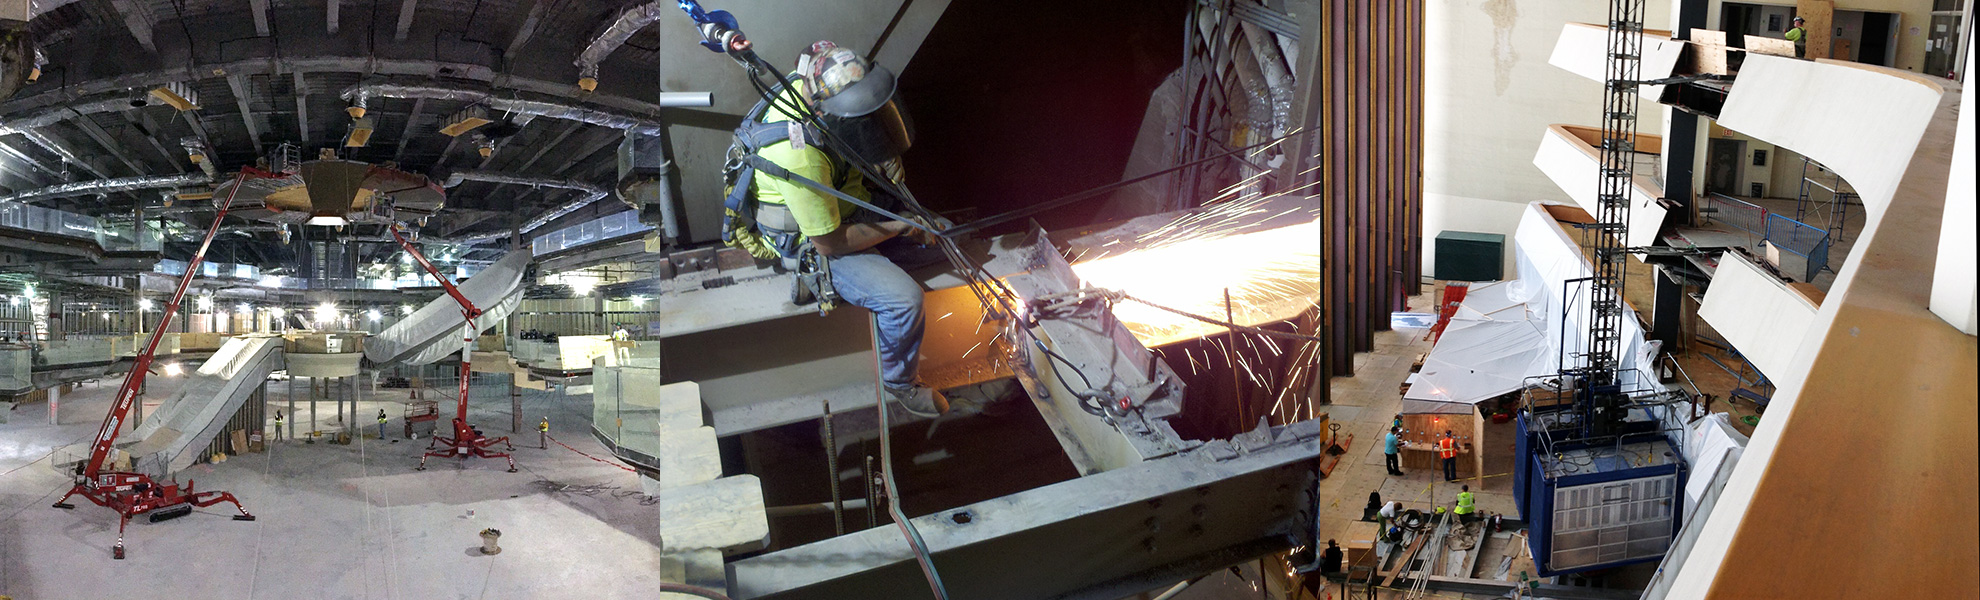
582 453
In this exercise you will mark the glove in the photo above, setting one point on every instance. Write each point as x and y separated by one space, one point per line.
921 236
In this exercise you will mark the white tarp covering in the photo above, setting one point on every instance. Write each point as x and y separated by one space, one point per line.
199 410
1492 344
434 330
1708 442
1505 332
1547 259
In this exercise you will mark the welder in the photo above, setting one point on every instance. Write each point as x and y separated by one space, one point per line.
784 204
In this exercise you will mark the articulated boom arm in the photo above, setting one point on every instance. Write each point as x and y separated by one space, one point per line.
466 441
106 435
468 308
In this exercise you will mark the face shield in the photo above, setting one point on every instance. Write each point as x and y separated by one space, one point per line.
867 117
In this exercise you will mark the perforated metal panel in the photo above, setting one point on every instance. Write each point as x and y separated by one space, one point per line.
1611 522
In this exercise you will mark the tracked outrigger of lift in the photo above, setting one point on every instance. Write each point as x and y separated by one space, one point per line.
131 493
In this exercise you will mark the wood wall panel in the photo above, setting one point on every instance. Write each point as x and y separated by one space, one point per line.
1365 166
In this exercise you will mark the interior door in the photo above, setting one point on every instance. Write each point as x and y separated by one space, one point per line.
1722 166
1940 45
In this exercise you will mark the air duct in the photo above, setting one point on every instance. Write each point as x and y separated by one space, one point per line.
612 37
591 193
358 94
108 186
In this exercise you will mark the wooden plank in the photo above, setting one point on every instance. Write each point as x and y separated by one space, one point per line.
1415 545
1767 45
1708 36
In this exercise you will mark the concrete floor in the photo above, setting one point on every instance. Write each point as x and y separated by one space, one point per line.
335 521
1364 405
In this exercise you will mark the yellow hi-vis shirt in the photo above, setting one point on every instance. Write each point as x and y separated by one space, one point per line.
1465 503
815 212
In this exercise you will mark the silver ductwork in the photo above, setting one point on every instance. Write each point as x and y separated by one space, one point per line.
108 186
591 193
616 34
49 116
357 95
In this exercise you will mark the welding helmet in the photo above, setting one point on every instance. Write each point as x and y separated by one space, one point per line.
856 102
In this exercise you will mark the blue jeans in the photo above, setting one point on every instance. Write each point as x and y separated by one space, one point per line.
873 281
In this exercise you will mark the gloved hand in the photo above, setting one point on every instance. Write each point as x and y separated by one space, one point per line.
923 237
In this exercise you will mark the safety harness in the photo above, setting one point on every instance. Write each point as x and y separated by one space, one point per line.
769 231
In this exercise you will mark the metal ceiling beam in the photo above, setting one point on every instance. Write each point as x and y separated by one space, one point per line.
116 150
379 67
139 20
238 84
543 149
260 10
10 150
142 120
589 148
60 148
198 128
527 30
330 19
406 18
405 135
302 97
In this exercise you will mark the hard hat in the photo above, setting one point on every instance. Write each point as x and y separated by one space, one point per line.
857 100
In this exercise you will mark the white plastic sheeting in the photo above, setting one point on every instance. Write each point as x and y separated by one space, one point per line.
434 330
1546 260
1490 347
1757 314
1708 443
192 416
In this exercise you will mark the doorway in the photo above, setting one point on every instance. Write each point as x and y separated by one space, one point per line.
1877 30
1722 166
1942 45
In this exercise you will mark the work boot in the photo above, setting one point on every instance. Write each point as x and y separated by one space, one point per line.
920 400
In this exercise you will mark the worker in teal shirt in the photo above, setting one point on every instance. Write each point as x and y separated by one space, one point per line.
1390 450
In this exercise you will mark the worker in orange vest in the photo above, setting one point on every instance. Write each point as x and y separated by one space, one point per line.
1447 450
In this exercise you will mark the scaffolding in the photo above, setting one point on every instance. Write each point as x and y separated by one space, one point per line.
1596 372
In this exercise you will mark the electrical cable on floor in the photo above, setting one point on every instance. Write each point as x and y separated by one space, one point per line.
581 452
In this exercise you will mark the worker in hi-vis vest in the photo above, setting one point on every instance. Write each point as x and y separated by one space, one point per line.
381 423
1467 505
543 434
1447 450
1798 35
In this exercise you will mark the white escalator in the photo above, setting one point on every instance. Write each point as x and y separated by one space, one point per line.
171 437
434 331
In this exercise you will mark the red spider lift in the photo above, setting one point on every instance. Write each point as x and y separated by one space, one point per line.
130 493
467 441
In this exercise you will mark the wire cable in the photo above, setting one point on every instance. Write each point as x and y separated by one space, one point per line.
1220 323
